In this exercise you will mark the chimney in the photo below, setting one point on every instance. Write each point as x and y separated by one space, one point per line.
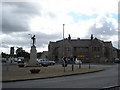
91 36
69 37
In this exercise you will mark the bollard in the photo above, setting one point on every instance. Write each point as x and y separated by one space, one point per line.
89 66
72 67
79 64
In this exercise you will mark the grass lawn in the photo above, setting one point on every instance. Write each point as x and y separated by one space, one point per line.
13 72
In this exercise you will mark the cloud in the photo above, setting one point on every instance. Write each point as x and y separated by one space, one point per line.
16 25
103 27
24 40
46 17
23 8
86 7
16 15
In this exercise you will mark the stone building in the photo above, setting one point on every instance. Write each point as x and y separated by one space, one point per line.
118 53
44 55
93 49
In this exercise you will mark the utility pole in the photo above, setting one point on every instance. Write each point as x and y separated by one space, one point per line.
118 37
63 48
63 31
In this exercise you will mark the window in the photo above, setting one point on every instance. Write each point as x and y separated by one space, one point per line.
67 49
98 48
75 48
95 48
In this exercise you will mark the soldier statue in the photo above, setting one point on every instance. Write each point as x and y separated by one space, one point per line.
33 38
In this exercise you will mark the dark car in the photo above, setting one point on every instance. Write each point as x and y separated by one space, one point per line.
116 60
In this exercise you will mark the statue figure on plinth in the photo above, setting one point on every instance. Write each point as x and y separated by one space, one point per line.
33 52
33 38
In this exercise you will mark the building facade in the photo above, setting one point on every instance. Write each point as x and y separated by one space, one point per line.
44 55
93 48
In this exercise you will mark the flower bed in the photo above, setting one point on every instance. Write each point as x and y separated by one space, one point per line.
34 70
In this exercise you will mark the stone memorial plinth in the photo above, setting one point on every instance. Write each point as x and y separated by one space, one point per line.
33 56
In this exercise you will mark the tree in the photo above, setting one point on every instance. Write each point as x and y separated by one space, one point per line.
22 53
19 52
39 55
4 55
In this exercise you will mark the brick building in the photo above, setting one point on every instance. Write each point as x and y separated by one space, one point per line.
93 49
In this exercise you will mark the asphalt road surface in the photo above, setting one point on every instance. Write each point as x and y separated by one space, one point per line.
102 79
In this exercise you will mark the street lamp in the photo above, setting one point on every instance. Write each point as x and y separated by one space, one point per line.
63 48
63 42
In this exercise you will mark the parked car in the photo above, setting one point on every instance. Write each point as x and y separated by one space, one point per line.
116 60
78 61
20 61
52 62
45 62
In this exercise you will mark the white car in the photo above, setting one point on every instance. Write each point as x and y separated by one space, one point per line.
41 61
78 61
52 62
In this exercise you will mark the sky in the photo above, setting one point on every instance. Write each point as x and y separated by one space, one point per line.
45 18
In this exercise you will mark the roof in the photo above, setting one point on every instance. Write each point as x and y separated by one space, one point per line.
107 43
76 42
81 42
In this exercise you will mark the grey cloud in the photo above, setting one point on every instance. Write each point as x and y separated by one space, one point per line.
16 15
51 14
105 31
43 39
24 40
13 25
23 8
4 46
115 44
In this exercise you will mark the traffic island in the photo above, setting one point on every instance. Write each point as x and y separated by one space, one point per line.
19 74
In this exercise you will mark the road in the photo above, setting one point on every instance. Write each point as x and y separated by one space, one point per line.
102 79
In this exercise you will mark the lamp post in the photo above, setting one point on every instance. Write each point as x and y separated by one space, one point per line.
63 31
119 41
63 48
118 48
